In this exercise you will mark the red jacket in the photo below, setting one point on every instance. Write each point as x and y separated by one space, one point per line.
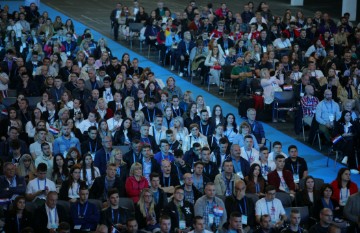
133 187
336 190
274 179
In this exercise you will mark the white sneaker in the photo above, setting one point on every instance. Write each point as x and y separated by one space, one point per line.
181 74
345 159
172 68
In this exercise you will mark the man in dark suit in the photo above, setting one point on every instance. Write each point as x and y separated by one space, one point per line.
225 42
51 113
115 215
148 139
149 163
114 17
168 180
116 104
102 156
10 183
160 196
65 71
93 144
114 68
210 168
80 92
134 155
103 184
49 215
241 165
13 143
238 202
135 68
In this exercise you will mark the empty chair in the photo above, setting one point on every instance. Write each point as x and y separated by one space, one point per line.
127 203
283 101
252 196
285 199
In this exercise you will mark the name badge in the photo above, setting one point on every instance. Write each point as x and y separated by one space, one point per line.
211 218
182 224
53 226
77 227
244 219
296 178
65 153
93 156
302 94
264 49
68 53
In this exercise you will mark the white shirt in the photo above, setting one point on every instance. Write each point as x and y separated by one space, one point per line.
36 185
112 124
89 178
190 140
85 124
158 134
53 217
273 208
48 161
280 44
251 155
35 148
4 87
31 130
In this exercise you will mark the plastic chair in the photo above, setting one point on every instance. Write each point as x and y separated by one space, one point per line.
253 197
135 28
225 76
285 199
8 101
127 203
283 101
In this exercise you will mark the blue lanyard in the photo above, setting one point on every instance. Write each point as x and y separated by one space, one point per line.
18 224
247 155
297 168
84 213
149 114
242 211
207 129
38 182
209 170
177 111
347 194
134 157
229 133
113 218
168 181
146 141
331 110
164 156
50 218
257 188
267 207
72 190
91 151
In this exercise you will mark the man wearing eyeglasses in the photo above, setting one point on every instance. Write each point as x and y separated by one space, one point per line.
180 211
238 202
271 206
326 218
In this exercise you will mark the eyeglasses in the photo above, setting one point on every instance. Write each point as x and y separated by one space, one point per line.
272 194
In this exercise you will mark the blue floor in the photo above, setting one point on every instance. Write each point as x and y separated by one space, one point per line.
315 160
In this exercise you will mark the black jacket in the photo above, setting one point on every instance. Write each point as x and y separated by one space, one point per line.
107 218
41 220
97 189
232 205
188 212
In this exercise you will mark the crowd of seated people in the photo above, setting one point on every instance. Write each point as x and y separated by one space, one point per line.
106 133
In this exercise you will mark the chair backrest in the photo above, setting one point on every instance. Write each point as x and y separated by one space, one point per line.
12 93
33 101
9 101
284 97
135 27
226 71
317 183
65 205
97 203
253 197
222 197
127 203
124 149
284 198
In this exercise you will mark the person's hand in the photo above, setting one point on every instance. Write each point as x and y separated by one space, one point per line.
73 200
119 226
182 58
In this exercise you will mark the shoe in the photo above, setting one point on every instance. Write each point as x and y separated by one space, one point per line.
282 120
274 121
181 74
172 68
344 160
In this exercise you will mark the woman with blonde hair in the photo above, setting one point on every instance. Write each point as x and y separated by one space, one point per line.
139 120
215 60
146 213
101 47
135 182
119 82
26 168
129 107
200 105
121 167
179 130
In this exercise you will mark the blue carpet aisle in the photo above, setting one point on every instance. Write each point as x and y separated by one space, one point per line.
316 161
